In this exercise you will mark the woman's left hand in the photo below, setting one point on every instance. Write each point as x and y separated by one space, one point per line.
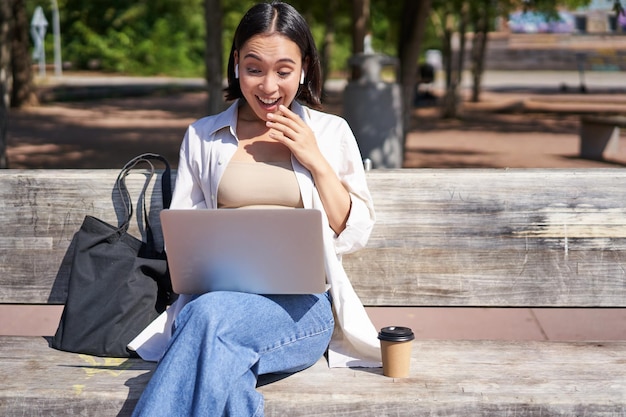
289 129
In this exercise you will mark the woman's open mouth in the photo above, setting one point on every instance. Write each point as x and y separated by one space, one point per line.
270 104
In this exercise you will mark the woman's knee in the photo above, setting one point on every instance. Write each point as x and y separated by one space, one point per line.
204 308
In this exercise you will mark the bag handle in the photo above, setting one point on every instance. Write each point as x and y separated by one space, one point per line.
166 189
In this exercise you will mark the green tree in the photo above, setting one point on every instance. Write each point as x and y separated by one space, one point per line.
330 22
412 30
457 17
482 15
148 37
452 18
398 29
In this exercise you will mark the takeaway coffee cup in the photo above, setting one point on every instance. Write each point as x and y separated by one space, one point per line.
395 345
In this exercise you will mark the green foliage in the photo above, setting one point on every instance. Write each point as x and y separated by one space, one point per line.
232 12
167 37
145 37
385 22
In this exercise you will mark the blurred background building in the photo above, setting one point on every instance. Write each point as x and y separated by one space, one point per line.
589 38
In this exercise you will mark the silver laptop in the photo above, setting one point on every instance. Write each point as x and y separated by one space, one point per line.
261 251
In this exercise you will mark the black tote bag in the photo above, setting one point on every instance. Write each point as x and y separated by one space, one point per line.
118 284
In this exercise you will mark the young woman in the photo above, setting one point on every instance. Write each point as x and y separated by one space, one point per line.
267 149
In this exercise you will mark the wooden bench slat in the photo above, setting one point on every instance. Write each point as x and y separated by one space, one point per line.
49 382
447 378
467 237
471 378
615 120
504 278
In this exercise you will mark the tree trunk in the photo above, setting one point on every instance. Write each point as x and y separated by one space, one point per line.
412 28
452 97
448 102
327 44
479 46
22 92
360 24
446 50
213 56
463 21
5 76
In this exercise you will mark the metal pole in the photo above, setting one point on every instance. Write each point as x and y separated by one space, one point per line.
56 28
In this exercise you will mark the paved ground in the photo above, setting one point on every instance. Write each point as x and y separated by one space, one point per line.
524 120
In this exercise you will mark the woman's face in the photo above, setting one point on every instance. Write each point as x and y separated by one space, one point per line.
270 67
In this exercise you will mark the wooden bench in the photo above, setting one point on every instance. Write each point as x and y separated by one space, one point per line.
487 238
599 136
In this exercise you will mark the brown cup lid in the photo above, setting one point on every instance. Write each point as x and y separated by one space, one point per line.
396 334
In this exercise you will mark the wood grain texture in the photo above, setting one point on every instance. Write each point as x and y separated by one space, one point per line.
495 238
526 238
451 378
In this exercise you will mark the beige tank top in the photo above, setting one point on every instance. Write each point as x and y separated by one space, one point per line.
253 184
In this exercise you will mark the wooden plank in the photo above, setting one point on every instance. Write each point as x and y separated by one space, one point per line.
613 120
40 210
544 237
533 278
469 378
495 237
52 383
485 378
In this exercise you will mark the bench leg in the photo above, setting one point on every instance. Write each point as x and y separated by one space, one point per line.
598 141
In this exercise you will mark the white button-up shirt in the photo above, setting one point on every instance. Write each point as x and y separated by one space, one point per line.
208 146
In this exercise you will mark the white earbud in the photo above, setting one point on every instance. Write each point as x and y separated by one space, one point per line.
302 77
237 71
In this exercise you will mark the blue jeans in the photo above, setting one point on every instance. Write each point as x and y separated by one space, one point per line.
223 341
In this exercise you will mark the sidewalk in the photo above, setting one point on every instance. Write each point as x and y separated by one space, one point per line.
611 82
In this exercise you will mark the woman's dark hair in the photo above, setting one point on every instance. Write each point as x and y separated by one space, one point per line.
283 19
